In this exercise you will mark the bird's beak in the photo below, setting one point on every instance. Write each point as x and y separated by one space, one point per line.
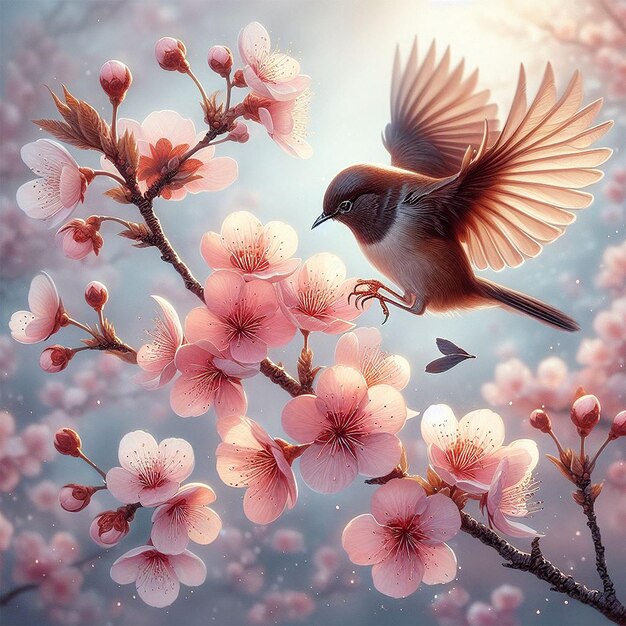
321 219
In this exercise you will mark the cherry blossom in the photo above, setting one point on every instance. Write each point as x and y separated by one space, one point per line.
185 517
157 357
352 429
150 473
271 74
316 295
46 315
467 453
61 184
207 379
158 576
241 319
510 498
247 247
162 139
285 121
404 538
79 238
249 457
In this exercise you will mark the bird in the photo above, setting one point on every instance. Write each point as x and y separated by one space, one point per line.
460 195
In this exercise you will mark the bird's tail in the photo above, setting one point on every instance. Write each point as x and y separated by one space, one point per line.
526 305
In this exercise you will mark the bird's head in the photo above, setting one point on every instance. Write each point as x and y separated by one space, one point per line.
363 198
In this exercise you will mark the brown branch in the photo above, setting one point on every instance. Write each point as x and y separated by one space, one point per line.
535 564
279 376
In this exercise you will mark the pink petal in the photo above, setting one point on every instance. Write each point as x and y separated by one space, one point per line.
326 473
158 495
237 430
214 253
190 398
216 174
347 350
43 298
399 499
222 291
282 241
177 457
512 528
70 186
265 500
341 389
399 575
248 350
39 199
200 324
484 426
170 125
302 419
169 533
46 157
26 328
189 568
126 568
230 399
205 526
364 540
440 520
158 586
123 485
171 319
378 453
278 330
197 494
137 449
384 410
439 426
253 42
440 564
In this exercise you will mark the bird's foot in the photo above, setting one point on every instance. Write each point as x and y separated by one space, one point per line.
366 290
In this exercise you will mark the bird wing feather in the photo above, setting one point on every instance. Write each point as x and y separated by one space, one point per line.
435 114
517 195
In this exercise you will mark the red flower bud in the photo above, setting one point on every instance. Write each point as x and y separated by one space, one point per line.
67 442
220 60
239 79
539 419
170 54
115 79
55 358
618 427
585 414
74 498
110 527
96 295
239 133
79 237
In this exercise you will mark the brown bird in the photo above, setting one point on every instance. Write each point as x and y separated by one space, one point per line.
460 194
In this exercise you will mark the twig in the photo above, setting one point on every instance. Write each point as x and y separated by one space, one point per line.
535 564
278 375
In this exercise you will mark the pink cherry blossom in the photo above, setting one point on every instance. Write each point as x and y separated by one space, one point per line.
185 517
157 357
249 457
46 315
510 497
271 74
316 295
241 319
251 249
162 138
285 122
158 576
467 453
6 533
360 349
207 379
150 473
61 185
352 429
61 586
404 538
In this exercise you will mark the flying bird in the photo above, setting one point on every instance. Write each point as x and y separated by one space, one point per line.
460 195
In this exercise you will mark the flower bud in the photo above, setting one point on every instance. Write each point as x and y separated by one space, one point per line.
96 295
239 79
170 54
67 442
239 133
220 60
110 527
79 237
55 358
585 414
618 427
115 79
74 498
539 419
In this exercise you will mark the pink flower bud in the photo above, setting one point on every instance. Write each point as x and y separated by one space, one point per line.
539 419
220 60
239 133
115 79
67 442
110 527
585 414
74 498
618 427
96 295
170 54
55 358
239 79
79 238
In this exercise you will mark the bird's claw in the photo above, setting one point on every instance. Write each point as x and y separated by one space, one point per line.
369 293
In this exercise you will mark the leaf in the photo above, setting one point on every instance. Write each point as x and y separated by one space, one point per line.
447 347
89 122
578 496
445 363
127 150
118 194
562 468
596 490
139 233
63 132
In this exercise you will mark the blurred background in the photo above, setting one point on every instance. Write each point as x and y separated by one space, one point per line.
294 571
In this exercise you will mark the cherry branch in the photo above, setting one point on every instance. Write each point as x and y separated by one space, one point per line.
535 563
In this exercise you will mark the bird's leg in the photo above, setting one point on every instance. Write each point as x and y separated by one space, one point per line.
409 302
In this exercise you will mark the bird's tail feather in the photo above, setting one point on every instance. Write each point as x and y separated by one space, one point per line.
527 305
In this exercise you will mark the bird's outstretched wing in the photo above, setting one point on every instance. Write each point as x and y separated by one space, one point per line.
435 114
518 194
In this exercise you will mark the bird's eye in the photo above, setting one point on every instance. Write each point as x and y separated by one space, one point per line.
345 206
